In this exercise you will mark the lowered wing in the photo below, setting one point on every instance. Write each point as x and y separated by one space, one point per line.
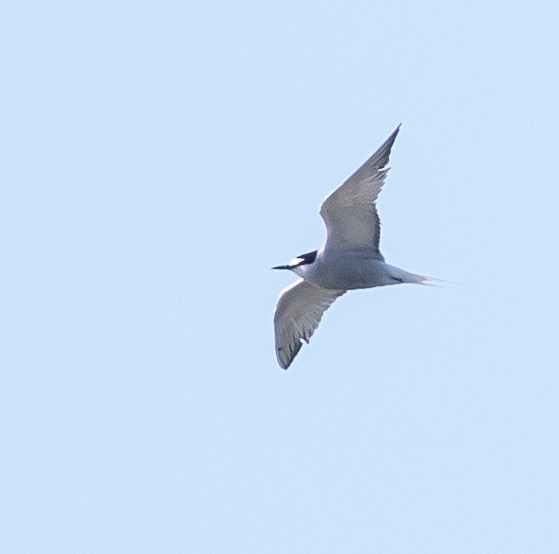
298 313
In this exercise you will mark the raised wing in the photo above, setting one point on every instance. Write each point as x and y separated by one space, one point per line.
298 313
350 213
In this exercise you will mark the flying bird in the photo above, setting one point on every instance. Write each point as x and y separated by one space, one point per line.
350 258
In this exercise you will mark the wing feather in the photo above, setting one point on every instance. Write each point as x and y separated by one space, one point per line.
298 312
350 213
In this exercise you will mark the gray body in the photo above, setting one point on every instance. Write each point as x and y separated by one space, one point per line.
342 270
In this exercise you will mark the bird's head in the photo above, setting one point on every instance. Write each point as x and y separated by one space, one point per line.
299 262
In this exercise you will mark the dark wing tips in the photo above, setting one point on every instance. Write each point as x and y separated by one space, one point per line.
377 161
380 158
285 358
286 354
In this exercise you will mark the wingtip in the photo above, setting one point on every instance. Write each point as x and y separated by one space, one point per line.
284 365
283 361
380 158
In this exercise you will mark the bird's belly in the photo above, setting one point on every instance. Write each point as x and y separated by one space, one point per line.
350 274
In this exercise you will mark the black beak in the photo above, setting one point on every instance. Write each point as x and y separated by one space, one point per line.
281 267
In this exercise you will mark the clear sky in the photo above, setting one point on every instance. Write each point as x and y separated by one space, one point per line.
157 158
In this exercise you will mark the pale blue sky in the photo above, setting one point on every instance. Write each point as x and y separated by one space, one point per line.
157 159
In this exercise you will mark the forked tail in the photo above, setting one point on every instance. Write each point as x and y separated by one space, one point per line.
429 281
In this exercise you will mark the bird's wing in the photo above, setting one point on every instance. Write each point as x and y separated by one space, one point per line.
298 313
350 213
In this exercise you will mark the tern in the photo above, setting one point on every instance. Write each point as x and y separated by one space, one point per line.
350 258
